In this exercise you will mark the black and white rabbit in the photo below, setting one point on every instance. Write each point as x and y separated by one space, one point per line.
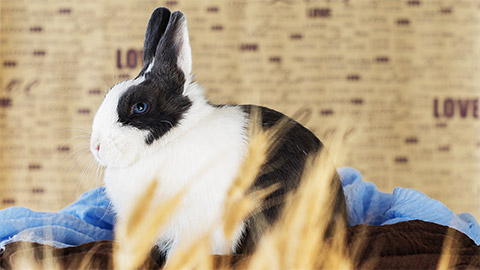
160 126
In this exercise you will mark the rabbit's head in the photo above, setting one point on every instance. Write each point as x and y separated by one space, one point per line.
137 113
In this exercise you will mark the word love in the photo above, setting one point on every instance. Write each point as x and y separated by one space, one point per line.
130 58
451 107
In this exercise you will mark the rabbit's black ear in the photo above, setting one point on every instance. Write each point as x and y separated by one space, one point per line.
156 28
173 51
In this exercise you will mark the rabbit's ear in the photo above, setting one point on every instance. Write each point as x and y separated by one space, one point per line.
156 28
173 50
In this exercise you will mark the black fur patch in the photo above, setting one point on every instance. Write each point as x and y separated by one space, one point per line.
167 105
284 166
156 28
163 87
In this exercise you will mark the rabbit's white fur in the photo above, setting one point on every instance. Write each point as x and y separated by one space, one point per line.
203 152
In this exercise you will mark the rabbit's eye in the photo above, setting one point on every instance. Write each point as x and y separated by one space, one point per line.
139 108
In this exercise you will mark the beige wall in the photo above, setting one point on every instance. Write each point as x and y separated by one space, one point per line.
376 68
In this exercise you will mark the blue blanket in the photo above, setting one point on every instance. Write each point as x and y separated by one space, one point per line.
90 218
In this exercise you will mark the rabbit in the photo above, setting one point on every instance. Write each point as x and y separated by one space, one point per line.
160 126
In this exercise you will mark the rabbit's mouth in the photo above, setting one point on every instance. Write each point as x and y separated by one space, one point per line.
114 152
96 154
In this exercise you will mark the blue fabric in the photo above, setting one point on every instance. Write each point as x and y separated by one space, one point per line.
90 218
367 205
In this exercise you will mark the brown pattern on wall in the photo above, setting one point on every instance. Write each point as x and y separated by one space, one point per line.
401 76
